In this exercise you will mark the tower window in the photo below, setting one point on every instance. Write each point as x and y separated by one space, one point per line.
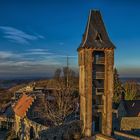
98 37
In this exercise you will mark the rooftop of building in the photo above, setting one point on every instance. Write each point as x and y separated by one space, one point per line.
95 35
132 107
23 105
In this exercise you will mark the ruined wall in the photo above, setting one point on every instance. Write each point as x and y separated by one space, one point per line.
85 89
103 137
17 124
36 128
82 87
108 94
124 136
23 128
67 131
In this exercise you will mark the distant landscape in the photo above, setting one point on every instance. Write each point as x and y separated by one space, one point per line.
124 79
6 84
69 70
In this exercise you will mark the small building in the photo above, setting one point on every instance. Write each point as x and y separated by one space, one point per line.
25 126
126 119
129 114
6 116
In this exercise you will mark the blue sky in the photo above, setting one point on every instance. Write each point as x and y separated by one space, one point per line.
37 35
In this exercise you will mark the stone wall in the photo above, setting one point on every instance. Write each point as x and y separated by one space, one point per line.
23 128
103 137
6 122
68 131
124 136
36 128
129 123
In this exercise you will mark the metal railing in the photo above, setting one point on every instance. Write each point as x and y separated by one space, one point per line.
99 91
100 60
98 108
98 75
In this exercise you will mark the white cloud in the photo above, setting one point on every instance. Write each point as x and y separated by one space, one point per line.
31 62
19 36
62 56
4 54
38 52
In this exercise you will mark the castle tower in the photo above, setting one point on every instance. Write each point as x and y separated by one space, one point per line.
96 61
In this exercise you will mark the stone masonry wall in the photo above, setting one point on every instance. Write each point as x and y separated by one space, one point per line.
64 132
129 123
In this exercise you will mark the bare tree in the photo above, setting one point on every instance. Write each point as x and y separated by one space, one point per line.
64 102
57 74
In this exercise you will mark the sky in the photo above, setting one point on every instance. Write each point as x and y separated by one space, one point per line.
36 36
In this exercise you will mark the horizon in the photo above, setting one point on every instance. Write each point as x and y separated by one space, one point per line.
36 37
46 78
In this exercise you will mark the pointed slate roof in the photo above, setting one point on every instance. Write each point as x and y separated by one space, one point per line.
95 35
132 107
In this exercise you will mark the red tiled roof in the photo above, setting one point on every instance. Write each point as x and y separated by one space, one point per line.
23 105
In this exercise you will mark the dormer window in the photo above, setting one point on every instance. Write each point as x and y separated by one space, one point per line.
98 37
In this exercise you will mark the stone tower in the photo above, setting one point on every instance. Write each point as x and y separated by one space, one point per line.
96 61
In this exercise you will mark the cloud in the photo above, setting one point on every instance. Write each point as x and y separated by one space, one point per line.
4 55
32 62
38 52
34 57
63 56
19 36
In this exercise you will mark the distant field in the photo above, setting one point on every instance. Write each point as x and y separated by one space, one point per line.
124 79
10 83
